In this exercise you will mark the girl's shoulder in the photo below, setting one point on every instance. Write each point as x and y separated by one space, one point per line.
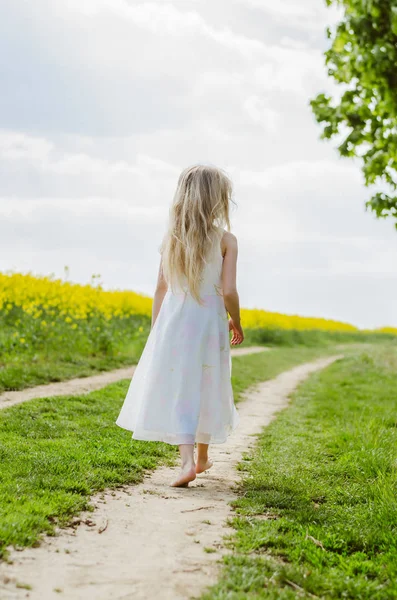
228 241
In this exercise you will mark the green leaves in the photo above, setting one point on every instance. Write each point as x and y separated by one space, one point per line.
362 58
383 205
394 19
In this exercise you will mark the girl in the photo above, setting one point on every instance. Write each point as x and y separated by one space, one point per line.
181 392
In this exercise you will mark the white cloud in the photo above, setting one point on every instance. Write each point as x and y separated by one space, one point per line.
14 146
165 18
303 15
295 170
62 172
286 9
258 110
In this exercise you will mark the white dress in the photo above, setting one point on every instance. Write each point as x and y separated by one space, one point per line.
181 392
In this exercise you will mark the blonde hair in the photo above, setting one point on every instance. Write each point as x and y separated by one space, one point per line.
199 208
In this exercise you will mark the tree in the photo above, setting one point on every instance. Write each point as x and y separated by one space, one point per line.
363 59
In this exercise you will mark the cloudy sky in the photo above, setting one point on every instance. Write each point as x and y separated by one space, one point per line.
103 102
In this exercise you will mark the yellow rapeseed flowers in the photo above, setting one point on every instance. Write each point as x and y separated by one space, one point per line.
392 330
69 301
256 318
56 299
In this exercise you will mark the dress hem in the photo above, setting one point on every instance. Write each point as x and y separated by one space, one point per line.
199 438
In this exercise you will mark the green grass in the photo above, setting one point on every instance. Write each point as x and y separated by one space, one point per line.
317 514
31 356
56 452
315 337
26 370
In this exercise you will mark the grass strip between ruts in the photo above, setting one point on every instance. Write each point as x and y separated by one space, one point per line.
21 371
317 514
56 452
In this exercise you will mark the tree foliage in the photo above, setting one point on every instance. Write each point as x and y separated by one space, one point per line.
362 58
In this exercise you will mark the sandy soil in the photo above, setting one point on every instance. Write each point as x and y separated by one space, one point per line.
148 541
83 385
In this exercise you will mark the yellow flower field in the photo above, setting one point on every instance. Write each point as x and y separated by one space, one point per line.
392 330
52 298
256 318
67 301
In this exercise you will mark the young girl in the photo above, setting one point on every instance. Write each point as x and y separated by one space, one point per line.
181 392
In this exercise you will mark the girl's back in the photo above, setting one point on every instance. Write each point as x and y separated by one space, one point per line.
212 272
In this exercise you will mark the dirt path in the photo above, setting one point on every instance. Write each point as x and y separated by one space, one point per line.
148 541
83 385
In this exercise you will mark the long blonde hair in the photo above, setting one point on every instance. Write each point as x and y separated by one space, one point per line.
200 206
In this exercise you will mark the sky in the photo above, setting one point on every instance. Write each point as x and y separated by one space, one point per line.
104 102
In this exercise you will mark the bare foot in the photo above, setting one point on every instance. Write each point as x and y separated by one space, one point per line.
186 475
203 465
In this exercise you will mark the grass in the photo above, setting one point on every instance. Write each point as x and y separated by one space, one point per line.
315 337
317 514
64 353
56 452
23 371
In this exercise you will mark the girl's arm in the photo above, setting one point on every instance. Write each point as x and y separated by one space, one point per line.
229 286
161 288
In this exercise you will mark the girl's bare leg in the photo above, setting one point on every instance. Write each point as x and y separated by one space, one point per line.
203 463
188 471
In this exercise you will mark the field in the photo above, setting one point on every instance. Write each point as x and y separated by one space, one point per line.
52 330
